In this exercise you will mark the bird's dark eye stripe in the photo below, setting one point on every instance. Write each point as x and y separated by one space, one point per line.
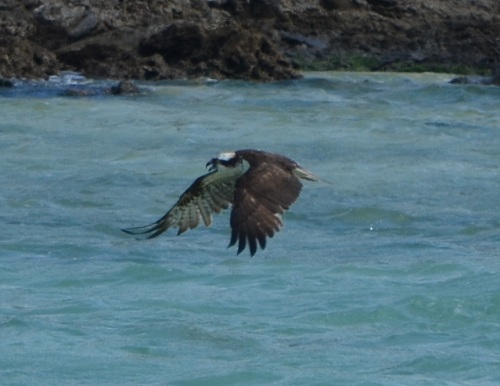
231 162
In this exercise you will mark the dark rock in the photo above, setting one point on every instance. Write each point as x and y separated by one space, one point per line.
342 4
6 83
179 41
125 87
460 80
246 39
80 92
84 26
309 41
383 3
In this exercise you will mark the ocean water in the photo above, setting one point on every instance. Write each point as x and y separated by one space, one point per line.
387 275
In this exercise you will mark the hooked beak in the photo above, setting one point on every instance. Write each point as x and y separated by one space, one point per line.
212 165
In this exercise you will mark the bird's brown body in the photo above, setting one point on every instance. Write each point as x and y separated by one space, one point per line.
259 185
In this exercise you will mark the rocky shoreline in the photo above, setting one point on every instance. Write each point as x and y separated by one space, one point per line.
244 39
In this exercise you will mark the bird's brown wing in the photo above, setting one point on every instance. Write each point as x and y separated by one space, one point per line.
209 193
261 196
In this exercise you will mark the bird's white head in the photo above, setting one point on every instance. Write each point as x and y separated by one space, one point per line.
228 162
226 156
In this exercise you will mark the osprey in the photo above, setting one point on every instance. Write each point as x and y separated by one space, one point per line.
259 185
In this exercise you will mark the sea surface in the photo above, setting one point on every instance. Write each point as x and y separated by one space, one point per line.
387 274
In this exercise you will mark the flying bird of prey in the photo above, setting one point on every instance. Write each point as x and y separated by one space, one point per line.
259 185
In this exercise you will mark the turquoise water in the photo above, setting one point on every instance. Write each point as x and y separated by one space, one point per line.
389 275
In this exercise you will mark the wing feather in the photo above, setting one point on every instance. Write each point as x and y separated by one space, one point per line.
261 196
205 213
194 217
210 193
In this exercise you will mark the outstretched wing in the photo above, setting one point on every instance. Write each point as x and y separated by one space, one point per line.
261 196
209 193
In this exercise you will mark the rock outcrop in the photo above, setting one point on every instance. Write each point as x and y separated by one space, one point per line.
245 39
